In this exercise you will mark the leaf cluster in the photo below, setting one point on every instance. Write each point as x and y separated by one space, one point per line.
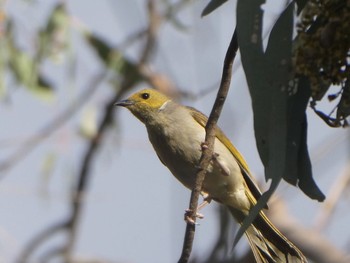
322 53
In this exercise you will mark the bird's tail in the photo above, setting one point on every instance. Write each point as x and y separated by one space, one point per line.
268 244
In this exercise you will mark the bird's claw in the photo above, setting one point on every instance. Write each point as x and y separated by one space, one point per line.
204 145
188 218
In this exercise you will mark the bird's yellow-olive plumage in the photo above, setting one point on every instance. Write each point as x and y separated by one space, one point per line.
176 133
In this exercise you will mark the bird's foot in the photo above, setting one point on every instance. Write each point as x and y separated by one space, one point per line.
204 146
188 212
188 218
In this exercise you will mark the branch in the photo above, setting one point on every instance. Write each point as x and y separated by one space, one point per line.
333 198
39 239
313 244
207 151
70 225
128 83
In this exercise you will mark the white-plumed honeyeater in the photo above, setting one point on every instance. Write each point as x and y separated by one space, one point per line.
177 133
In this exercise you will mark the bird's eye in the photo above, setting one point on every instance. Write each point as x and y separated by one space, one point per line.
145 96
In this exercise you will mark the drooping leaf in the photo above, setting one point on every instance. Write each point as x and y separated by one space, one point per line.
42 89
88 123
101 47
278 104
249 30
25 71
112 57
213 4
54 37
306 182
300 5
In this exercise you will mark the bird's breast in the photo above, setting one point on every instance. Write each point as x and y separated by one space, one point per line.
179 148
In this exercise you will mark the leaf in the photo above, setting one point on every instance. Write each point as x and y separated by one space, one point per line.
279 99
88 123
102 49
278 105
306 181
300 5
26 73
54 37
113 58
213 4
249 31
278 78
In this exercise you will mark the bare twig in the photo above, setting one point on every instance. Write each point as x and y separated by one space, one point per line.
127 83
70 225
315 246
337 190
207 152
39 239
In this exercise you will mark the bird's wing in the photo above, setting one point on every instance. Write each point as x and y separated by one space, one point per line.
202 120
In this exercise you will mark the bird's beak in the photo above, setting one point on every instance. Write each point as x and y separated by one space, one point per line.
124 103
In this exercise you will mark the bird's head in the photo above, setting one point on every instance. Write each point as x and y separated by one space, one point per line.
145 104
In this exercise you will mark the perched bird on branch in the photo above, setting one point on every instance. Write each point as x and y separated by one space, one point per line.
177 133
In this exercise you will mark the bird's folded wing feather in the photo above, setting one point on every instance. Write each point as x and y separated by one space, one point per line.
202 120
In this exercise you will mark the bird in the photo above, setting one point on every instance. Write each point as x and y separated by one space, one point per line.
177 133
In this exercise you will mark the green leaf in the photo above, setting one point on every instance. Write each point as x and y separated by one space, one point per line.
278 102
25 71
249 31
102 49
279 99
88 123
113 58
213 4
54 37
306 181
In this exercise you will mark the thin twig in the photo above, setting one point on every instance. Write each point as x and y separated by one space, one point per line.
79 195
127 83
78 198
39 239
333 198
207 152
311 241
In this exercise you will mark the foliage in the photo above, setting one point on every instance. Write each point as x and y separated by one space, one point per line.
322 53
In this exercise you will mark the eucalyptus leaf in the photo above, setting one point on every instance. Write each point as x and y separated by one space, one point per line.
25 71
300 5
112 57
249 30
278 102
88 123
213 5
54 37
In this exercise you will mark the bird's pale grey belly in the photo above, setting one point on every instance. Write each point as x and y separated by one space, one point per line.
180 155
180 152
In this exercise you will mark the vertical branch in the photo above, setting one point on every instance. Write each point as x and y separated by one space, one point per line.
127 83
207 151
